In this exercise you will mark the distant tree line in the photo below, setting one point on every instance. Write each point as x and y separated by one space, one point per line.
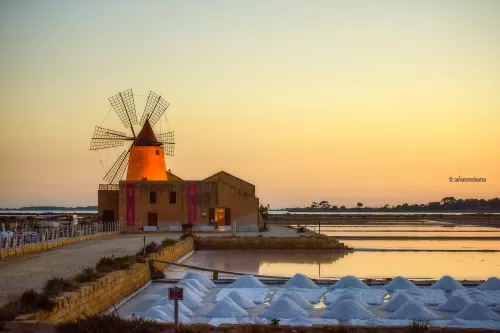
446 204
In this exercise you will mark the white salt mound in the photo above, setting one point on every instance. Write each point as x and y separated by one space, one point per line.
182 308
477 311
170 311
348 309
298 298
350 282
226 308
492 283
247 281
200 278
396 301
455 304
301 281
197 285
241 300
457 323
497 308
156 314
400 282
284 308
348 296
187 286
191 300
447 283
413 311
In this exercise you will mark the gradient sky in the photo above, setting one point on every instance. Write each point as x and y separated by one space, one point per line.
346 101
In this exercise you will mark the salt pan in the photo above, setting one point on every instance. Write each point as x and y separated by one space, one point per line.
170 311
400 282
301 281
284 308
397 300
348 295
477 311
201 278
182 308
447 283
457 322
156 314
350 282
455 304
413 311
247 281
492 283
241 300
197 285
347 310
226 308
297 297
497 308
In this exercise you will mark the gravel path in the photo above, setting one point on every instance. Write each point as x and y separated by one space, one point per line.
30 271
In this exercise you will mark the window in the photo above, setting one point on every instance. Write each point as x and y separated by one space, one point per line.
157 152
173 197
152 197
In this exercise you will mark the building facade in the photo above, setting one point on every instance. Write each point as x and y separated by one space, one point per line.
221 201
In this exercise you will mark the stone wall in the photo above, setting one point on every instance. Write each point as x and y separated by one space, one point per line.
98 296
42 246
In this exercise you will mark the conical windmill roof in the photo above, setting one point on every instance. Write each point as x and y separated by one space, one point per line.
146 136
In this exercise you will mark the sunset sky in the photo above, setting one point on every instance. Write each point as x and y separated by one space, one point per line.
346 101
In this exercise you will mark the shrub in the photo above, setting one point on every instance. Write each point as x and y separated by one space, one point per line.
186 235
168 242
110 264
418 326
29 302
57 286
157 274
106 323
88 274
275 322
301 229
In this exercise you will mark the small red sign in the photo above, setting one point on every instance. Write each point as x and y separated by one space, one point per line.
175 294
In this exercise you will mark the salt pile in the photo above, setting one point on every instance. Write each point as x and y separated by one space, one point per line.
348 295
197 285
349 282
188 286
413 311
182 308
397 300
455 304
241 300
247 281
400 282
447 283
284 308
477 311
347 310
226 308
297 297
457 323
200 278
497 308
156 314
301 281
170 311
492 283
191 300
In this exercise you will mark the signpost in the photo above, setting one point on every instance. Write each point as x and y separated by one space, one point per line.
176 294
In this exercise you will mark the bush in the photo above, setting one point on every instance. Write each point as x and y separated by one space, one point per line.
186 235
301 229
88 274
110 264
157 274
106 323
168 242
57 286
418 327
29 302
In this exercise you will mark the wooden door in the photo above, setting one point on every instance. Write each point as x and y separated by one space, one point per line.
153 219
108 215
227 215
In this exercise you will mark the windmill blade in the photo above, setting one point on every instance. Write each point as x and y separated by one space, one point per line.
115 174
106 138
124 105
155 107
167 139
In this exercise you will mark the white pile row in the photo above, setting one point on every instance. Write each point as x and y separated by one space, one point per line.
349 299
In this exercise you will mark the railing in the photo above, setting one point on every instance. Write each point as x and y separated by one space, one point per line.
109 187
18 239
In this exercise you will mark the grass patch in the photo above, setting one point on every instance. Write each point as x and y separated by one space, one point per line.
417 326
29 302
107 323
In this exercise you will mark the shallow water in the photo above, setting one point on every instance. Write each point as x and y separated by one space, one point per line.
423 245
363 264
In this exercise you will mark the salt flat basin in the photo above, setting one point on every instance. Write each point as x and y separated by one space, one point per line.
419 265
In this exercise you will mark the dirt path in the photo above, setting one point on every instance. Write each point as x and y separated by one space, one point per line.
30 271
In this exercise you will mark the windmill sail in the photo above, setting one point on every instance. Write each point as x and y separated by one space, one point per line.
115 174
106 138
167 139
124 105
155 107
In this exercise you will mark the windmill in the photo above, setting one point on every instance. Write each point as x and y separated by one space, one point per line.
144 158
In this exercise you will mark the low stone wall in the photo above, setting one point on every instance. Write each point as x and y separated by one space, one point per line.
96 297
42 246
312 243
